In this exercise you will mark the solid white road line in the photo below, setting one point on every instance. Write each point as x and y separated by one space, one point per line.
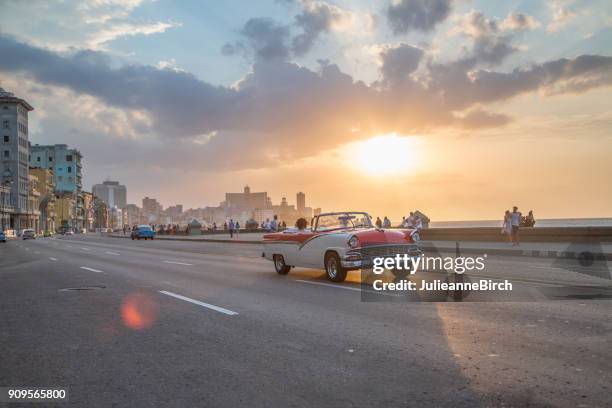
178 263
197 302
90 269
331 285
52 258
113 253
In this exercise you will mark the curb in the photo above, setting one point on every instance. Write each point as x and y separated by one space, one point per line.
584 255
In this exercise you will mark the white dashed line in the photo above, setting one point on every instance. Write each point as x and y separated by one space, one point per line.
90 269
112 253
52 258
69 246
197 302
85 249
178 263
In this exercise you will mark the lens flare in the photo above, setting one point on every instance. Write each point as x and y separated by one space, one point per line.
138 311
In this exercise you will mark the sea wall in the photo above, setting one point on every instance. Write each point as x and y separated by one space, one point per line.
543 234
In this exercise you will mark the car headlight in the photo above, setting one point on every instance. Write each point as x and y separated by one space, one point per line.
353 242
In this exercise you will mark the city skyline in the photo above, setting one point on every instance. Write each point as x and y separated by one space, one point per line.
463 115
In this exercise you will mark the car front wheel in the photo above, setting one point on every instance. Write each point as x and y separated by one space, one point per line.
280 266
333 268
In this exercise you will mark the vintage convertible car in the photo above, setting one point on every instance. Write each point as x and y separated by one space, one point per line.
337 242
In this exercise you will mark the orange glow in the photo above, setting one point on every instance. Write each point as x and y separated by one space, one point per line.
385 155
138 311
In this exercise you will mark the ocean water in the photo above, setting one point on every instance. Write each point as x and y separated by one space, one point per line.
553 222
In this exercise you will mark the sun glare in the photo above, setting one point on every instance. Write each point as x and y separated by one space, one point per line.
385 155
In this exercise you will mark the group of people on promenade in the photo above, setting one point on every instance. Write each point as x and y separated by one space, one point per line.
513 221
412 221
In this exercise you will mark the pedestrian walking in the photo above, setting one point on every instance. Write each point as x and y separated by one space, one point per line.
507 226
515 219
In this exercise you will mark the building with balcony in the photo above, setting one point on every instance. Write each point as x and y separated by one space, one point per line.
14 160
65 162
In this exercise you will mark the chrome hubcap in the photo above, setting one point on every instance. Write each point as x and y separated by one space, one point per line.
279 263
331 268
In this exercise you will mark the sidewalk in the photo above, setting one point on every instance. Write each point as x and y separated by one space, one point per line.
594 251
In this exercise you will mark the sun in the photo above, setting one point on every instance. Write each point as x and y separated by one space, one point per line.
385 155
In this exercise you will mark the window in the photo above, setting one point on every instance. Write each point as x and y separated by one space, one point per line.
69 169
60 178
6 139
70 179
50 158
69 158
38 159
5 124
6 154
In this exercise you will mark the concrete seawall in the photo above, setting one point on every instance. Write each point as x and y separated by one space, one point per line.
544 234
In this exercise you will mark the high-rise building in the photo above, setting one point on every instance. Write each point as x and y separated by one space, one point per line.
301 203
14 160
151 209
246 201
65 162
112 193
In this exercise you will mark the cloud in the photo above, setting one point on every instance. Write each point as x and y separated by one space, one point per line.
399 62
314 19
92 24
281 110
519 22
561 17
477 118
419 15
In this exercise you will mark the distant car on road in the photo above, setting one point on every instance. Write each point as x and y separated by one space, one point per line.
338 242
68 232
2 236
28 234
142 231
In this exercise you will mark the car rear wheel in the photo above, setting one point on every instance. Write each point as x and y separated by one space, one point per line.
333 268
280 266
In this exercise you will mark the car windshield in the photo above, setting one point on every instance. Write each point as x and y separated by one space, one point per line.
145 228
328 222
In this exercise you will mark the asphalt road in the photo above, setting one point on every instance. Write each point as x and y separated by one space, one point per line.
159 323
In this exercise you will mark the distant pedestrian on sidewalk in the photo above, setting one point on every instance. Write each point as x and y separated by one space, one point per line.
237 227
231 228
507 226
515 219
378 223
274 223
529 220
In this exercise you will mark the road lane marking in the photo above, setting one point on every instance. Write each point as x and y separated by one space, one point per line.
331 285
90 269
197 302
69 246
85 249
26 248
113 253
52 258
178 263
37 253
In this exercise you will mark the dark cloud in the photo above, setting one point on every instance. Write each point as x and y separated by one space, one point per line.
399 62
281 109
315 18
420 15
268 39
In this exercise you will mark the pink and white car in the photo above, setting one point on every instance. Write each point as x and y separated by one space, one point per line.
337 242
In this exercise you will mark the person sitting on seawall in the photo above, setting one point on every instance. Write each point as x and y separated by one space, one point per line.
529 220
386 223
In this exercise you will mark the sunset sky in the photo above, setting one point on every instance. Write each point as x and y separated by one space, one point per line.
461 108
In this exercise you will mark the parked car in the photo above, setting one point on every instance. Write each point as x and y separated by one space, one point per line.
142 231
337 242
28 234
2 236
